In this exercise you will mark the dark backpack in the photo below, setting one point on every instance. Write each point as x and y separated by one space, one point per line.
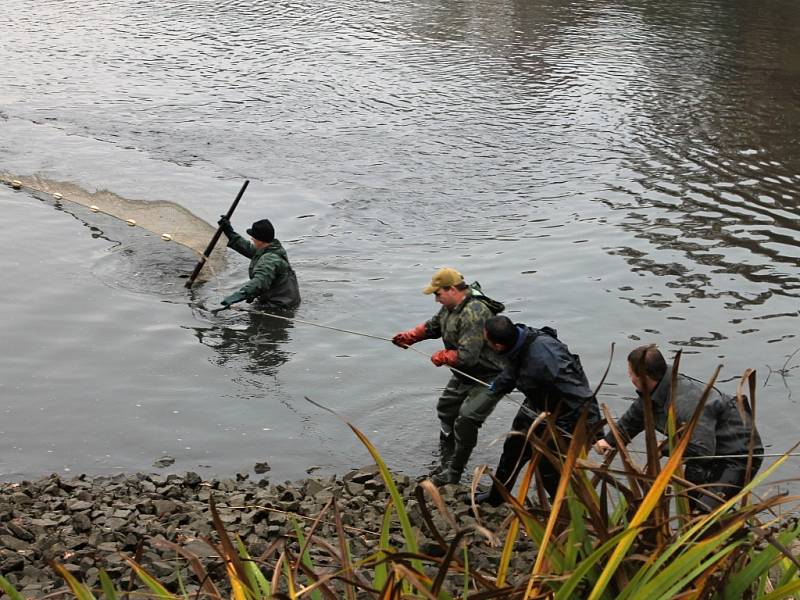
494 305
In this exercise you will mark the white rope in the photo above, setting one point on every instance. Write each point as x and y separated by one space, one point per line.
520 405
475 379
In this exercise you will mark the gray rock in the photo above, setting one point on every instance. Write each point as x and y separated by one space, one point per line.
192 479
164 507
12 543
363 474
313 487
20 532
163 462
81 523
79 505
10 562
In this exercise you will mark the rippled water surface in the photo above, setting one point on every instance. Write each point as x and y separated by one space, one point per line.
627 172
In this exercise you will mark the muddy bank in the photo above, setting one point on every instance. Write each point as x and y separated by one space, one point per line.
88 524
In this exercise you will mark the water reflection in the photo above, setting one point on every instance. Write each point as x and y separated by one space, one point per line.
711 176
247 340
642 157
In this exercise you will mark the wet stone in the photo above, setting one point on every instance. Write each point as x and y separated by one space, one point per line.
12 543
79 505
113 515
163 462
81 523
164 507
10 562
20 532
192 479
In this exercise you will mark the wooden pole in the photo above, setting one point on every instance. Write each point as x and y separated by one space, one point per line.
215 239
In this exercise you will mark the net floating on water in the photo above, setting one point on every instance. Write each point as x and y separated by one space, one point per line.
167 220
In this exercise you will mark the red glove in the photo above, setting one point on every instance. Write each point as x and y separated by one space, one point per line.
445 357
410 337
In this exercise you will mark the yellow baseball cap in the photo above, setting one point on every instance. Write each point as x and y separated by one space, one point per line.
446 277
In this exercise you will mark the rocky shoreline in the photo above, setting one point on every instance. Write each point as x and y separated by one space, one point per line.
87 524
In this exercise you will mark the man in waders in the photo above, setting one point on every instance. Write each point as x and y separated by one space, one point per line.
272 279
465 404
552 379
723 429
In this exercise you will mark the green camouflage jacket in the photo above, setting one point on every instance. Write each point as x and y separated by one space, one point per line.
461 329
272 279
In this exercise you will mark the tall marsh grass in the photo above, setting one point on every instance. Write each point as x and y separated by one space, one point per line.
622 533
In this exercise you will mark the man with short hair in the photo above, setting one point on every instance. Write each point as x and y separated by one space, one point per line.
721 431
272 280
552 379
465 404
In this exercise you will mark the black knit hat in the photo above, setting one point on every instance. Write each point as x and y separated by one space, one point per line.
262 230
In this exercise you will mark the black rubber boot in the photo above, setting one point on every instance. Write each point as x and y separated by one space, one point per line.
492 498
447 444
454 470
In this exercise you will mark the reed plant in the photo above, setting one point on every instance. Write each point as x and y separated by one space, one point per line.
610 532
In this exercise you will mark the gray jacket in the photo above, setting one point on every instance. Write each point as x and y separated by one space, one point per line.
720 430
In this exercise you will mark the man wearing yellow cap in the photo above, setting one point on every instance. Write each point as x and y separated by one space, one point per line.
465 404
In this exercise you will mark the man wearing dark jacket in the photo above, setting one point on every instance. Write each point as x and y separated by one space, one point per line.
721 431
272 279
552 379
464 404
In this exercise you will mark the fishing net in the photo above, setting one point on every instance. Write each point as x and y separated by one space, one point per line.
171 223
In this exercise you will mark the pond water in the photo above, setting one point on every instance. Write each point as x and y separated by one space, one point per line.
626 172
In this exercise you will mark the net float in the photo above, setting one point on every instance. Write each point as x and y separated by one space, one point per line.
166 237
57 196
131 222
16 184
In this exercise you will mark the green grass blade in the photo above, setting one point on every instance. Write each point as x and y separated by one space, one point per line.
690 575
787 591
536 532
402 515
576 449
80 591
654 496
381 570
618 516
397 498
257 582
567 589
305 557
576 535
181 585
649 503
789 572
109 591
702 525
287 571
680 571
159 590
738 583
10 590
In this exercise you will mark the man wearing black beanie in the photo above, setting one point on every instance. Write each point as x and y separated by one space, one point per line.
272 279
